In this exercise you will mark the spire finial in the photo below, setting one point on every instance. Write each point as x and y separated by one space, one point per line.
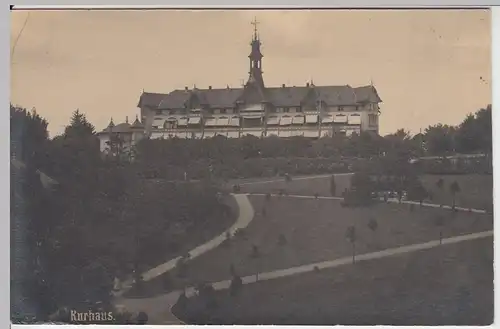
254 23
126 119
371 82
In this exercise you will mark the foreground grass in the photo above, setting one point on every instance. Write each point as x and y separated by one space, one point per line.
448 285
315 231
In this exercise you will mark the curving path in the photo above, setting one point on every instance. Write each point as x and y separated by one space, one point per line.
245 216
159 307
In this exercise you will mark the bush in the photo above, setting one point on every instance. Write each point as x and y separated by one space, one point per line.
255 252
240 233
182 301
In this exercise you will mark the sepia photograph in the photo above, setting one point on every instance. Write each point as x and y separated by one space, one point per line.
251 167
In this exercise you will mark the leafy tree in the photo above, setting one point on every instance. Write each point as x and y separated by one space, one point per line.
454 189
255 251
79 126
440 139
439 222
236 285
373 225
28 136
351 237
333 188
440 183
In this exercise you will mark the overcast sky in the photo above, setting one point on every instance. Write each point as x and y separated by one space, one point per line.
428 66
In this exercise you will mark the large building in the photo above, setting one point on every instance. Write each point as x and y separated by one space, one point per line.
254 109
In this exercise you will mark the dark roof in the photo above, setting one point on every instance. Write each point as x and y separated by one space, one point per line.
137 123
150 99
279 96
119 128
367 94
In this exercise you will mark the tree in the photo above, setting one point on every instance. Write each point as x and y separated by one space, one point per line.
351 237
439 222
79 126
28 136
440 183
373 225
236 285
454 189
440 139
333 189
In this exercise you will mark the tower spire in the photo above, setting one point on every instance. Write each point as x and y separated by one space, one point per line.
254 23
255 72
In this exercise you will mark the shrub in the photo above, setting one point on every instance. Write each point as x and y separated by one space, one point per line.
182 300
255 252
240 233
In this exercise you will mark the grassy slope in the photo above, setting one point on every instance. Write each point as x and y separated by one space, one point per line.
477 190
315 231
449 285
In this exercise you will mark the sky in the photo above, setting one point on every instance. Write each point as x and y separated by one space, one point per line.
429 66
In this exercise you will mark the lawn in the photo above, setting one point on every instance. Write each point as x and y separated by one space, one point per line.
447 285
476 190
315 231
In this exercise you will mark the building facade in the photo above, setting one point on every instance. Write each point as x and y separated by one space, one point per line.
255 109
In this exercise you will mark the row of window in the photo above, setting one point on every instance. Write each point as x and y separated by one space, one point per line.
278 110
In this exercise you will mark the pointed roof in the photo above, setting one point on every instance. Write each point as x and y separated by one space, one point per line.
137 123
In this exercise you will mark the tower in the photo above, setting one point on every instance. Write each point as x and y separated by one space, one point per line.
255 59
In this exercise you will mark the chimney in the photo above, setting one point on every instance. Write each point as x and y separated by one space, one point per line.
186 88
283 86
307 84
227 86
210 87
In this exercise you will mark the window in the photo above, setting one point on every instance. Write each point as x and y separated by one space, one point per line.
292 110
229 111
223 111
372 119
341 109
279 110
216 111
286 110
158 112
